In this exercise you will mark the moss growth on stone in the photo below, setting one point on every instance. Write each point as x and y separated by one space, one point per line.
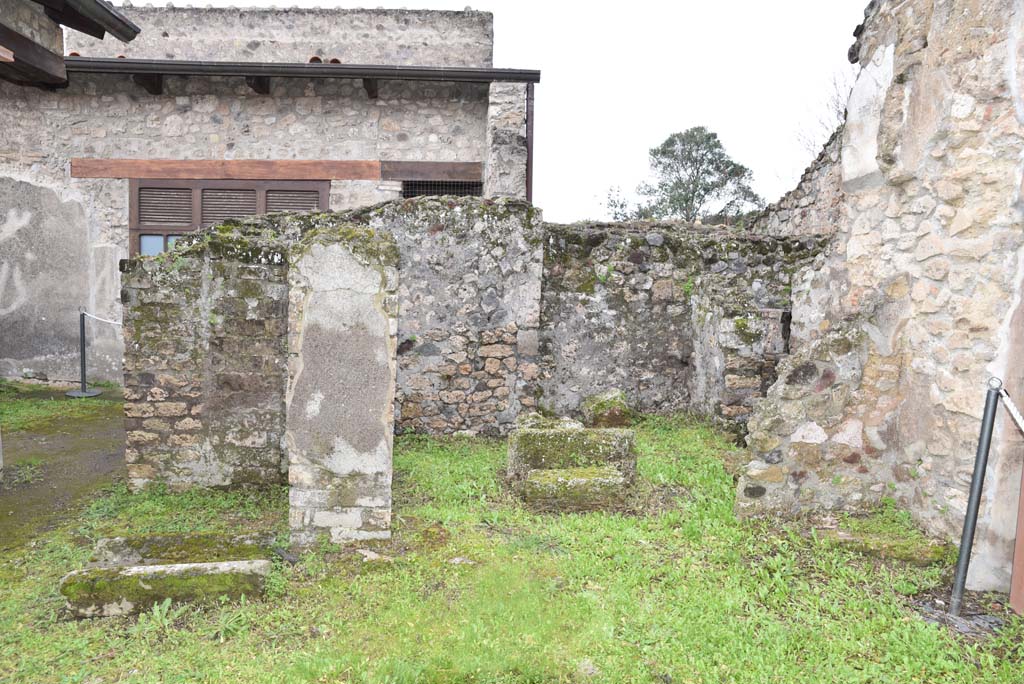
573 447
889 533
175 548
744 332
104 591
608 409
330 228
575 489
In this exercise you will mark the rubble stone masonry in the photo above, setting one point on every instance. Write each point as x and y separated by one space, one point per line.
916 302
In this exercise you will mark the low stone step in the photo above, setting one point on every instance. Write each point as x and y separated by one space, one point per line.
570 490
131 574
160 549
917 551
544 444
107 592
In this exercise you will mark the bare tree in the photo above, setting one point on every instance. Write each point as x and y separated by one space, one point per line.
831 115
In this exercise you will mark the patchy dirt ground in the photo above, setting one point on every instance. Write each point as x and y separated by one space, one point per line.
56 457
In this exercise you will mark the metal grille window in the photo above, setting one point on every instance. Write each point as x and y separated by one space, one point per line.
458 188
161 210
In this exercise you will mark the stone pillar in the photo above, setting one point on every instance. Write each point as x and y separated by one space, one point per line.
342 344
505 167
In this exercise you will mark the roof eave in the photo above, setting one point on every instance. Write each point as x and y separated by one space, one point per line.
172 67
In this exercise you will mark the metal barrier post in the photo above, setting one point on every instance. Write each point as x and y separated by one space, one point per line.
963 560
83 391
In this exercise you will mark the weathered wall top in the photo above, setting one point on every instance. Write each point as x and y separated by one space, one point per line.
257 34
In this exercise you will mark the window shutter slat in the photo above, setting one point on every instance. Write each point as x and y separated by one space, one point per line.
293 200
165 206
220 205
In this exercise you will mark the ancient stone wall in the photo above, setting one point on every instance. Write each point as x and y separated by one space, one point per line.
204 118
271 34
679 317
264 350
815 205
917 302
469 305
205 369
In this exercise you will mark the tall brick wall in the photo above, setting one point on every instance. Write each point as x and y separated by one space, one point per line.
917 299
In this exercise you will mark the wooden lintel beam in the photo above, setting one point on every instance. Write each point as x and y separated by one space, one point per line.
6 55
259 84
281 169
151 83
233 169
372 87
431 171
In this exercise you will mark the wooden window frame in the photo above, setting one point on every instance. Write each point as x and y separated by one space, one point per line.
136 230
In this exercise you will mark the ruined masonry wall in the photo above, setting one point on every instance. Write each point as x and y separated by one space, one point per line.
917 301
263 351
679 317
469 304
259 34
815 205
204 368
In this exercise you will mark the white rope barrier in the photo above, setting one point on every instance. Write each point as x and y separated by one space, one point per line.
1012 408
97 318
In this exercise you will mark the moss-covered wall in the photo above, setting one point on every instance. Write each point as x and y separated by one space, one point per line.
680 317
497 313
205 360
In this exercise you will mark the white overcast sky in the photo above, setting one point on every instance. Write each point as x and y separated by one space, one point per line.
618 78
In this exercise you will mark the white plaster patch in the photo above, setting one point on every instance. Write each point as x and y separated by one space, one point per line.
863 121
809 433
346 459
313 405
332 267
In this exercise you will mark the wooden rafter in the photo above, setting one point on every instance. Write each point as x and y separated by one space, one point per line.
33 63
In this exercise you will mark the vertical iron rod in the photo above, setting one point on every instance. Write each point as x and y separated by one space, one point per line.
963 560
81 346
83 390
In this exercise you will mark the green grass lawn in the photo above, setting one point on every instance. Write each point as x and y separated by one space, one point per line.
25 406
685 593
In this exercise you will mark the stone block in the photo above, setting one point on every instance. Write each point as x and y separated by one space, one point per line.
108 592
339 408
160 549
571 490
607 409
556 444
